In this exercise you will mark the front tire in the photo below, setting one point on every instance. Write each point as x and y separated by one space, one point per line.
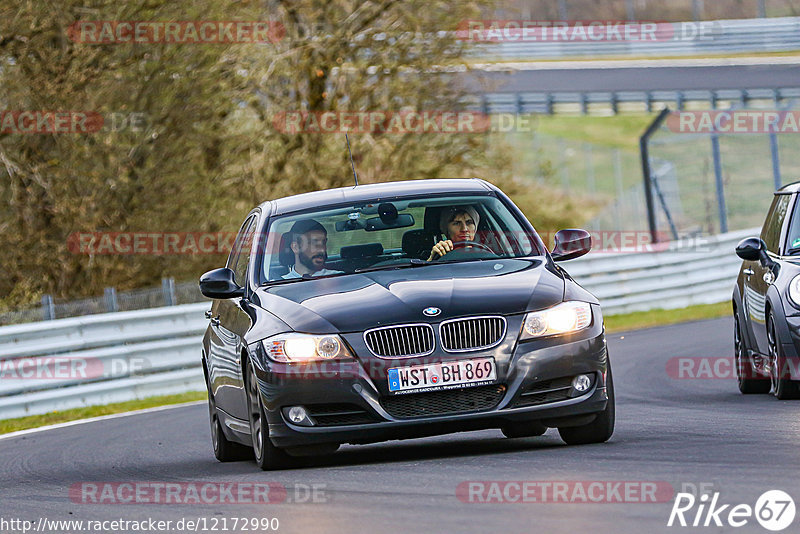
783 388
599 430
747 378
268 456
224 449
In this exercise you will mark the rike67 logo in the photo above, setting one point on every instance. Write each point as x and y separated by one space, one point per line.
774 510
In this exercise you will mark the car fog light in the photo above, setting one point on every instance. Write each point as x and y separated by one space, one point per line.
581 383
297 414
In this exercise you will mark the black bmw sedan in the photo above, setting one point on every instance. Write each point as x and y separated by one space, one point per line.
399 310
766 302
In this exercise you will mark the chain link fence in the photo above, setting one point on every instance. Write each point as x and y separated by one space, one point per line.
715 180
169 294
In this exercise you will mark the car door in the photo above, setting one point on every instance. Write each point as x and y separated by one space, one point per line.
761 276
228 323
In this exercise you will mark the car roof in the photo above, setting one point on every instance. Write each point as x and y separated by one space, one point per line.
374 192
794 187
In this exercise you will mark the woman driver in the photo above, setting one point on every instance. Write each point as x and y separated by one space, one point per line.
457 224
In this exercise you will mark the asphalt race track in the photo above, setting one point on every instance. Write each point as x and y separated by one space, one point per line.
674 431
642 79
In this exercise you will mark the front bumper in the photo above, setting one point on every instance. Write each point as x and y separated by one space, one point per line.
521 368
791 350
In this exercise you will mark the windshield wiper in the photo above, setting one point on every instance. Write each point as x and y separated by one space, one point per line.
303 278
413 262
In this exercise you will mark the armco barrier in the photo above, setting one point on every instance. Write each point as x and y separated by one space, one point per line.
143 353
701 270
124 356
778 34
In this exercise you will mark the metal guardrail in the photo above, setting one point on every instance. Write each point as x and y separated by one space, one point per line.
103 358
701 270
616 101
130 355
721 37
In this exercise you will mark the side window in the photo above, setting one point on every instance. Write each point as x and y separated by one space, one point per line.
240 254
771 232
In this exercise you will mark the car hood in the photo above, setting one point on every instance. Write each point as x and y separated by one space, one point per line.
357 302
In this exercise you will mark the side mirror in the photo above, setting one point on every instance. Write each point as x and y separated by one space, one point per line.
751 249
570 244
219 284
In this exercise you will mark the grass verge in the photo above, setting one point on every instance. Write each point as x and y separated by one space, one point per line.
614 323
639 320
52 418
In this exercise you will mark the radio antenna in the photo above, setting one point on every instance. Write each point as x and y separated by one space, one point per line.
355 177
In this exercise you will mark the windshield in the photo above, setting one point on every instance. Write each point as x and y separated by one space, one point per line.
391 234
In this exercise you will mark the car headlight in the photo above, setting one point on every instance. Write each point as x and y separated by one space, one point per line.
298 348
563 318
794 291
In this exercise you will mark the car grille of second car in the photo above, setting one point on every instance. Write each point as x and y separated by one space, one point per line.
444 402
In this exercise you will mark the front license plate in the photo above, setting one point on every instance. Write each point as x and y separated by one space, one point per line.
444 375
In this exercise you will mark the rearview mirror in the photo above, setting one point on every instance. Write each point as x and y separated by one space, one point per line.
571 243
751 249
220 284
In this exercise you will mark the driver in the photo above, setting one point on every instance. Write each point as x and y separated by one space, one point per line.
458 224
310 246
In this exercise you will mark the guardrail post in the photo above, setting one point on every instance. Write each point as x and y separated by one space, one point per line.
110 294
776 162
562 150
630 10
520 106
723 212
697 9
648 101
48 308
618 183
168 287
584 104
562 9
589 162
714 99
548 103
743 98
776 97
679 101
614 103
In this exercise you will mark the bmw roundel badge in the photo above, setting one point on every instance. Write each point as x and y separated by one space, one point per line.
431 311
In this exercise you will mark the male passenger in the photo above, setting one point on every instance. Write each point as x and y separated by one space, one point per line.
309 242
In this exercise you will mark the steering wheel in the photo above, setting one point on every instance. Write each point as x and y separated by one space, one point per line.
460 249
465 244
